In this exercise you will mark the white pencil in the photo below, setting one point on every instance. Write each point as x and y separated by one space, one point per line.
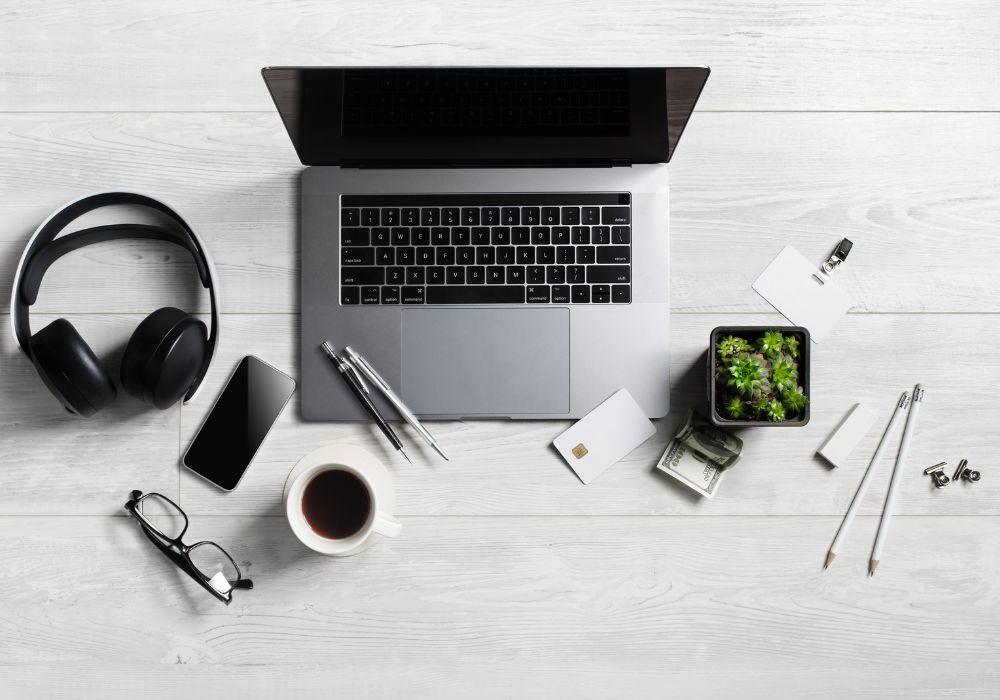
859 495
890 498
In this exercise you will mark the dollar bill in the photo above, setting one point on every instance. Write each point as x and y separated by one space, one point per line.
699 454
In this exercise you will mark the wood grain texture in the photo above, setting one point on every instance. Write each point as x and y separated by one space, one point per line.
509 468
783 55
636 601
923 219
60 464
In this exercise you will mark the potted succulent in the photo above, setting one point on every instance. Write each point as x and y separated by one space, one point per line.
759 375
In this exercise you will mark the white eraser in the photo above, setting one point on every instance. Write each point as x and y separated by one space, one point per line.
846 436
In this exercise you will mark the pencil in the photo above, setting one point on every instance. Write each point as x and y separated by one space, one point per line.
859 495
890 499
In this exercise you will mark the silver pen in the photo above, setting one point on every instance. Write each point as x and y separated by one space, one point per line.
366 369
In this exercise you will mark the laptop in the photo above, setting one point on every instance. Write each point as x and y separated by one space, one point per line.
495 241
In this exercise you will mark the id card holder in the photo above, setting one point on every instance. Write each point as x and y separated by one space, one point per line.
804 294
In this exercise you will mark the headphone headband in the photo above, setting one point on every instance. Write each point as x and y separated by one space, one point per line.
43 249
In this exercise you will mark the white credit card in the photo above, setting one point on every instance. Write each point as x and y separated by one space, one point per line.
604 436
806 299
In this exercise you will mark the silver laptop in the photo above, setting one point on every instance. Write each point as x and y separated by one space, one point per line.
495 241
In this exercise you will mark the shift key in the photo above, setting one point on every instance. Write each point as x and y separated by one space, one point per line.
616 215
608 274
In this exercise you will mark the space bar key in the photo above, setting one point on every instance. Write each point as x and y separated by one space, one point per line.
475 295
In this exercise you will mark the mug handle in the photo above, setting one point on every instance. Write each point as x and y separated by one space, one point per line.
386 525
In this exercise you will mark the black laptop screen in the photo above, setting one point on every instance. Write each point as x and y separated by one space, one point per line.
484 116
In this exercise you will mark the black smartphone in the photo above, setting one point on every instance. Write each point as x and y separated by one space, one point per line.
238 422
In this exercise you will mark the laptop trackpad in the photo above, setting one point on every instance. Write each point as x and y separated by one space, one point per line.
485 362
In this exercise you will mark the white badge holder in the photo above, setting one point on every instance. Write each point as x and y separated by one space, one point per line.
805 295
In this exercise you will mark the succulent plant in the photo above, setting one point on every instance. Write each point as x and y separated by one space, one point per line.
775 411
795 399
733 345
734 407
748 375
759 380
771 343
792 345
784 373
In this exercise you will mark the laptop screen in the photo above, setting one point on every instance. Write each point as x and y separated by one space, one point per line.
484 116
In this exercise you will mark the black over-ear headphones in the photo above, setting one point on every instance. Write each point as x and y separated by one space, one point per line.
169 352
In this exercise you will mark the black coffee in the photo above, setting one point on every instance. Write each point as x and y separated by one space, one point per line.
336 504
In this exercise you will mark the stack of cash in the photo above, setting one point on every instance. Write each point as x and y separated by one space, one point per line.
699 454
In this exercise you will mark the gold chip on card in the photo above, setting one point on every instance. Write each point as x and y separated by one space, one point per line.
579 451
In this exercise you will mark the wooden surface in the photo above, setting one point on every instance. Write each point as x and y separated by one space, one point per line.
878 121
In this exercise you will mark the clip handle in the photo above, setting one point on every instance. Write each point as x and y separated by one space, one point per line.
838 256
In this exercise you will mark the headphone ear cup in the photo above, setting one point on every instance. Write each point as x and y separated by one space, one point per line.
70 369
163 357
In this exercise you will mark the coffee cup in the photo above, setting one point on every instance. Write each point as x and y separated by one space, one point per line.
337 498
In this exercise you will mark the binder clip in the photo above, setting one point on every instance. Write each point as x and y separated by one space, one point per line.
838 256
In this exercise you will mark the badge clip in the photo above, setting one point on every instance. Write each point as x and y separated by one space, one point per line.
838 256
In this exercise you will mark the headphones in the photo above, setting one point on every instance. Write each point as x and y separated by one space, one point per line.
168 354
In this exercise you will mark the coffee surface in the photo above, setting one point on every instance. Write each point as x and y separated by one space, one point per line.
336 504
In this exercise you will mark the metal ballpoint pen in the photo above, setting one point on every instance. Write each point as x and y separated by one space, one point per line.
357 387
375 378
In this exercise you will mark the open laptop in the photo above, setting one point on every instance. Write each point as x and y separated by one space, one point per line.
494 241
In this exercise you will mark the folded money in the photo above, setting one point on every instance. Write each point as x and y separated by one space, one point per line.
699 454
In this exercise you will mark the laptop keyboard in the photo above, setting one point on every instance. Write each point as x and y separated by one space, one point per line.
570 248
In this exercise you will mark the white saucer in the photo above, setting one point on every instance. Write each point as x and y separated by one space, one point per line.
361 460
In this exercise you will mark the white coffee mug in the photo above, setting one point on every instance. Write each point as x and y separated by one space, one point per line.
369 471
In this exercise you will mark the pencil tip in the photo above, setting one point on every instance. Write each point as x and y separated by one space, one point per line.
872 565
830 556
404 455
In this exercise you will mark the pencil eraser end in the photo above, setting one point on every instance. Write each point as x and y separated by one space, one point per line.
846 436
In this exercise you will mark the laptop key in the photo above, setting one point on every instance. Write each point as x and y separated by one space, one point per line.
390 217
430 216
420 235
485 256
460 235
614 254
400 236
491 216
550 216
608 274
621 234
526 255
404 256
413 295
455 275
616 215
560 294
409 216
541 235
581 235
350 295
415 275
481 235
369 217
580 294
555 274
600 294
500 235
495 275
530 216
446 256
571 216
450 217
369 295
510 216
520 235
380 236
470 216
357 256
575 274
390 295
545 255
536 274
394 275
435 275
590 215
565 255
425 256
621 294
385 256
350 217
362 275
355 236
476 274
505 255
585 254
476 295
465 255
560 235
538 294
439 236
600 234
515 274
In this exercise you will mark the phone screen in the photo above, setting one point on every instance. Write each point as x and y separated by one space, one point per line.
237 424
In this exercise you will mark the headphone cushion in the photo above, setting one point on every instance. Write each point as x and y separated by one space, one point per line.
164 356
70 369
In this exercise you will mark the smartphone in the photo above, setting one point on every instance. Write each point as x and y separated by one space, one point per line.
238 422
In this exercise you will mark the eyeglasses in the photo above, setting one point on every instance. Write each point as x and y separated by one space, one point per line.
205 562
